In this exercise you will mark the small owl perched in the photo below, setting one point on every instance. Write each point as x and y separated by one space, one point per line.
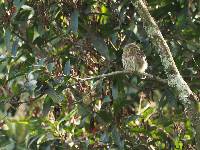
133 58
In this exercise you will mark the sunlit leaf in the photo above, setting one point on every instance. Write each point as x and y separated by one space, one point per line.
104 17
28 8
69 115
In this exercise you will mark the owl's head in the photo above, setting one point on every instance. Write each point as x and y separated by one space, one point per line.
132 46
132 49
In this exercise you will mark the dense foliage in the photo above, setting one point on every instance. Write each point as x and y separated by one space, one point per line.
48 46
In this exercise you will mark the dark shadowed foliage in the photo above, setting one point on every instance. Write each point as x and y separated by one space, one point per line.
48 46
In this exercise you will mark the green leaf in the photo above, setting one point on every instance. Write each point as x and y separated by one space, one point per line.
48 102
115 91
148 112
67 68
74 21
117 138
35 35
30 142
24 14
106 116
7 39
178 145
104 17
32 33
69 115
104 137
15 88
83 110
57 98
107 99
8 146
29 9
15 46
51 67
100 45
31 85
18 3
40 140
131 118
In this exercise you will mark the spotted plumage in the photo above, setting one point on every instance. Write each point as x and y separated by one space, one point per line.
133 58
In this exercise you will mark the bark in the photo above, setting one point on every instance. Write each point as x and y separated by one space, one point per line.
175 80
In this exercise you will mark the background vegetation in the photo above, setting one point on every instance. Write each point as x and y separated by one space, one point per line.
48 46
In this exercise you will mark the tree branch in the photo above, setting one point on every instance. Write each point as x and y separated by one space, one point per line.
175 80
147 76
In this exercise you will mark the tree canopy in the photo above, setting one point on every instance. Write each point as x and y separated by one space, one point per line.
62 84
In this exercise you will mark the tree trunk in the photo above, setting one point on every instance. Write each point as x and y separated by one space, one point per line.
175 80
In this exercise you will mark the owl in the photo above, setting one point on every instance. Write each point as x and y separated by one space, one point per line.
133 58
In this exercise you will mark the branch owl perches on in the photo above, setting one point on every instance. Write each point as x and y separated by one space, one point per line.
133 58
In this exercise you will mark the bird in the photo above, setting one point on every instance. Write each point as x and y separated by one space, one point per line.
134 59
